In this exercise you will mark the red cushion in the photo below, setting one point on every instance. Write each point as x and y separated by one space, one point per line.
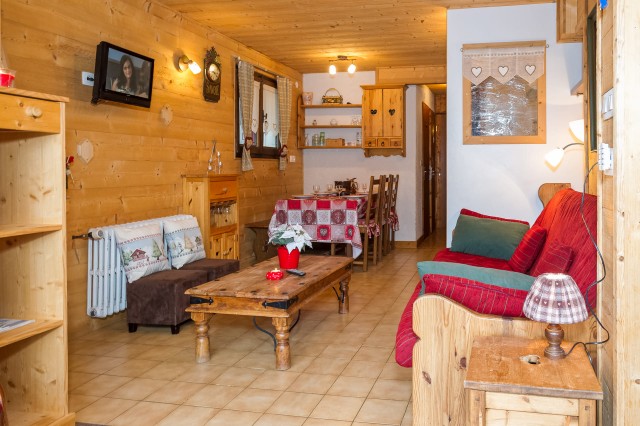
405 337
528 249
468 212
557 259
446 255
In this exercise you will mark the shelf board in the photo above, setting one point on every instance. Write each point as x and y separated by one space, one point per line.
330 147
329 126
223 229
26 229
320 106
29 330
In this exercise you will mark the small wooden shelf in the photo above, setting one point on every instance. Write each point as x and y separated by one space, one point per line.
223 229
29 330
329 126
330 147
7 231
332 106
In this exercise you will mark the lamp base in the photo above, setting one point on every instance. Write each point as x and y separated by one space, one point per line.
554 334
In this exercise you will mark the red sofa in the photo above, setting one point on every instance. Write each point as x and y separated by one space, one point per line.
567 242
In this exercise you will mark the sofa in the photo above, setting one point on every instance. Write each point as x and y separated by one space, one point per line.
446 312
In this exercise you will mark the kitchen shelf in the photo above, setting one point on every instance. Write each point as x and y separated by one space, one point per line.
330 147
329 126
303 126
330 106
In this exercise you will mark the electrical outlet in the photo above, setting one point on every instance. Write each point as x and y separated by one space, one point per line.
605 158
292 158
87 78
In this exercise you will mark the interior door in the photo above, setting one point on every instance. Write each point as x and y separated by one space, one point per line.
428 174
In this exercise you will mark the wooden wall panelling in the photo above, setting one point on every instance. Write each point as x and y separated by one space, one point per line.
138 161
411 75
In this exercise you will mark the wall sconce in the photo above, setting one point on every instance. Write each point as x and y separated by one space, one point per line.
184 62
332 67
554 157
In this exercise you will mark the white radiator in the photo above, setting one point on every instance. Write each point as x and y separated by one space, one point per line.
106 281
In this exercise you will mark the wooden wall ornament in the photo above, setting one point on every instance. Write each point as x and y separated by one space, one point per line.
212 76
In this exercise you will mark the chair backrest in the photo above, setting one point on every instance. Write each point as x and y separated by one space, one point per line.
385 206
394 193
376 186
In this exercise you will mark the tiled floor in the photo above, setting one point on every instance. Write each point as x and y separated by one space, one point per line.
343 370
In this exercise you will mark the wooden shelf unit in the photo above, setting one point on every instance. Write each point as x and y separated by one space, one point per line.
33 282
383 118
302 126
213 200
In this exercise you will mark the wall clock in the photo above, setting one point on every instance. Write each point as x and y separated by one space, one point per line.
212 76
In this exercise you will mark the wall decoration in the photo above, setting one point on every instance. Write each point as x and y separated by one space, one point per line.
504 89
212 76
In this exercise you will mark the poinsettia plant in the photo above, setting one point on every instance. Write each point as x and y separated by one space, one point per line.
291 236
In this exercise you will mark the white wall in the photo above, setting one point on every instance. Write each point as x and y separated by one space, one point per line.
503 180
324 166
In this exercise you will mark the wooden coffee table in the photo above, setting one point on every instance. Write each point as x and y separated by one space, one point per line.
248 292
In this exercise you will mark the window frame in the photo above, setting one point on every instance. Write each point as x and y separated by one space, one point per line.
257 150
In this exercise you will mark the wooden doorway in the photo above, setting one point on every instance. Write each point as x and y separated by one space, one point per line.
428 169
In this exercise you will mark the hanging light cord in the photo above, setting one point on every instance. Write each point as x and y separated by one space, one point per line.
597 281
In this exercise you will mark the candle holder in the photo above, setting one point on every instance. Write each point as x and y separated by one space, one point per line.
275 274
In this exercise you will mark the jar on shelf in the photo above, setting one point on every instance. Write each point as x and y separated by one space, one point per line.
321 138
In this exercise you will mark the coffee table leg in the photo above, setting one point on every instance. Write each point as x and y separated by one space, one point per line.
343 307
283 352
202 335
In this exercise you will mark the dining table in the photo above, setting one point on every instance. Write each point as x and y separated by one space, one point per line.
326 218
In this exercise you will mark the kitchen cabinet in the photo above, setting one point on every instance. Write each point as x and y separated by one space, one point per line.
33 283
570 19
323 114
383 117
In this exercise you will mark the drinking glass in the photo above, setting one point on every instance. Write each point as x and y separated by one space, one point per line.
316 188
329 187
364 187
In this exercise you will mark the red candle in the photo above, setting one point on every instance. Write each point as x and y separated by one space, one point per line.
275 274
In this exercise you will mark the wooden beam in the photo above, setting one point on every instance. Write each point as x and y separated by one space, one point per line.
419 74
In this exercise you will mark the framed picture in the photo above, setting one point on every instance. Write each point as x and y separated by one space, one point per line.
504 93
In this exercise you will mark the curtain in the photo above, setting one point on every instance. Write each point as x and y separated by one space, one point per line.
284 105
503 64
245 83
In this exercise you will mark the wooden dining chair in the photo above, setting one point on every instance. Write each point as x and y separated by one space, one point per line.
385 209
369 225
390 241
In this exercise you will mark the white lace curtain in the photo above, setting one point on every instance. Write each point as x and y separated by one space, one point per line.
284 107
245 83
503 63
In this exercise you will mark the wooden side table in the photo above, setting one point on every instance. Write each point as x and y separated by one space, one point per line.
502 389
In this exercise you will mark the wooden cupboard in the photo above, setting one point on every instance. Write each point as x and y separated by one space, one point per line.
383 116
33 282
570 18
213 200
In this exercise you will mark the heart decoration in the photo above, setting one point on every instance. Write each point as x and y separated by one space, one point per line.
530 69
476 71
503 70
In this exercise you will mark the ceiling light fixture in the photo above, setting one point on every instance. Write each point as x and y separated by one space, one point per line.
184 62
332 67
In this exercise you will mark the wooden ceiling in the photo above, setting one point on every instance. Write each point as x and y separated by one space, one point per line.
306 34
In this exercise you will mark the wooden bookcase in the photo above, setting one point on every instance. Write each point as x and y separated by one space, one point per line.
213 200
348 131
33 282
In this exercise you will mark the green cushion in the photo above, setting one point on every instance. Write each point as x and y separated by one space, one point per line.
497 277
487 237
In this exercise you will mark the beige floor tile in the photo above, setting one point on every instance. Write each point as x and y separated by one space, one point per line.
220 356
399 390
278 420
343 351
367 369
201 373
352 386
382 411
143 414
214 396
306 348
258 360
393 371
101 385
233 418
258 400
166 371
104 410
129 350
186 415
368 353
97 364
133 368
96 348
78 402
77 378
323 365
325 422
235 376
337 408
159 353
295 404
175 392
407 420
275 380
299 363
137 389
313 383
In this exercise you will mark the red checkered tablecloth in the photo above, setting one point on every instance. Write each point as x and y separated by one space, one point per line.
329 220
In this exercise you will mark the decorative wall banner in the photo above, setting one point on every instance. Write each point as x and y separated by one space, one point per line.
503 64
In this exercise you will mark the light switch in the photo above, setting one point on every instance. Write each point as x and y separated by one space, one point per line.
292 158
607 105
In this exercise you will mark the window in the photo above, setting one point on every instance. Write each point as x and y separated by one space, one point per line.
265 115
504 87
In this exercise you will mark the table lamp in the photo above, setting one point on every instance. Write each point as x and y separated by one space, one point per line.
555 299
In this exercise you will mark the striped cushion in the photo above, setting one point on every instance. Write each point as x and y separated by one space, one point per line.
556 258
528 249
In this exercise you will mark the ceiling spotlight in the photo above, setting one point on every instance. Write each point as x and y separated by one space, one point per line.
185 63
332 69
352 68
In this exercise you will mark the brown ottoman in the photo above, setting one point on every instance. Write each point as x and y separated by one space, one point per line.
159 299
215 268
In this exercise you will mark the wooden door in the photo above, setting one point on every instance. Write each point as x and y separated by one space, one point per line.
392 109
441 170
429 169
372 113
